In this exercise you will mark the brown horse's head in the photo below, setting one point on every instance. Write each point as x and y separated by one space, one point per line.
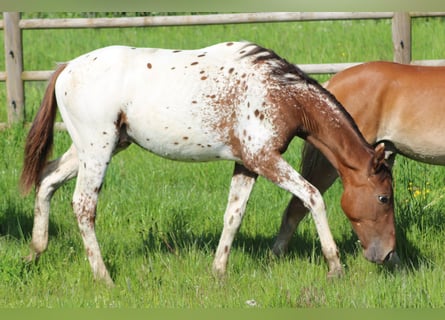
368 202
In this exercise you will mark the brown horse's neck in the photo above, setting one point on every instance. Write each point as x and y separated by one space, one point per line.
328 126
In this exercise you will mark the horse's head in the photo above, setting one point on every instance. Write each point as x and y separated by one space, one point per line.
368 202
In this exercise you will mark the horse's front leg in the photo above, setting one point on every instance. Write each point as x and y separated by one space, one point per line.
316 169
277 170
56 173
240 189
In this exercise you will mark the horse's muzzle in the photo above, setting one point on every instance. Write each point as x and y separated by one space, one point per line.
392 259
377 255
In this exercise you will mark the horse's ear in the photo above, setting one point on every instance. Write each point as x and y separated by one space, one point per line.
379 157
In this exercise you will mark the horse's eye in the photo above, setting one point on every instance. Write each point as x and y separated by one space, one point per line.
383 199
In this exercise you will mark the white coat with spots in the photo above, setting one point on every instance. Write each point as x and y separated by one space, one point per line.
230 101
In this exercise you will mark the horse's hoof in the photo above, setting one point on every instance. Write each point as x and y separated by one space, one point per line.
219 274
109 283
33 257
105 279
336 273
279 250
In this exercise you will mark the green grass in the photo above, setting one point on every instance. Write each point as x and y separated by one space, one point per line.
159 221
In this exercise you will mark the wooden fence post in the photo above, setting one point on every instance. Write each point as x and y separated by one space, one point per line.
14 67
401 37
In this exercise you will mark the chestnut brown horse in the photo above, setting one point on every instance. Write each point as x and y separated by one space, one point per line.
400 105
231 101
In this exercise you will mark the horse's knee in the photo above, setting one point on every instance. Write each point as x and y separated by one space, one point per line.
314 200
44 192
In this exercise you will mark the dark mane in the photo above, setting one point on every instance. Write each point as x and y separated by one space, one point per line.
281 68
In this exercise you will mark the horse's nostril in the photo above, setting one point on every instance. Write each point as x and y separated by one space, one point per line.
392 258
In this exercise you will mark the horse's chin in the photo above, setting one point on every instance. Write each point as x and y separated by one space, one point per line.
390 260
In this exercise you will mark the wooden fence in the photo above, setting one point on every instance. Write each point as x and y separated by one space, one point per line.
12 24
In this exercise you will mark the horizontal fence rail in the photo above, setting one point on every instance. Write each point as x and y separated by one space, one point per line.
196 19
12 24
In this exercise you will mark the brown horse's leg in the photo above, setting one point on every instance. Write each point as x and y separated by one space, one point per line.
240 189
320 173
55 174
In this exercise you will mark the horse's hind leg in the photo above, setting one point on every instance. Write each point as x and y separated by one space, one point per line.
321 174
92 168
55 174
240 189
277 170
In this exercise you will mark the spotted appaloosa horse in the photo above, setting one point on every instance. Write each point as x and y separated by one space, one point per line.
400 105
232 101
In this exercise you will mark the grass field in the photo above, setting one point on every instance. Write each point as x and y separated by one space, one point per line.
159 221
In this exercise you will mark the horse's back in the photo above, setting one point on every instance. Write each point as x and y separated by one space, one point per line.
180 104
388 72
399 103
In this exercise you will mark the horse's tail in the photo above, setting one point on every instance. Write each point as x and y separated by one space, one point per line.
40 137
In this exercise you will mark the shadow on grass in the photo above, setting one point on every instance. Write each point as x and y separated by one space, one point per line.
410 255
416 223
14 222
179 237
17 224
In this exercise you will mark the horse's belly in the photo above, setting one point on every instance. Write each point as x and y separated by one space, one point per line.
189 152
423 151
419 137
179 139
